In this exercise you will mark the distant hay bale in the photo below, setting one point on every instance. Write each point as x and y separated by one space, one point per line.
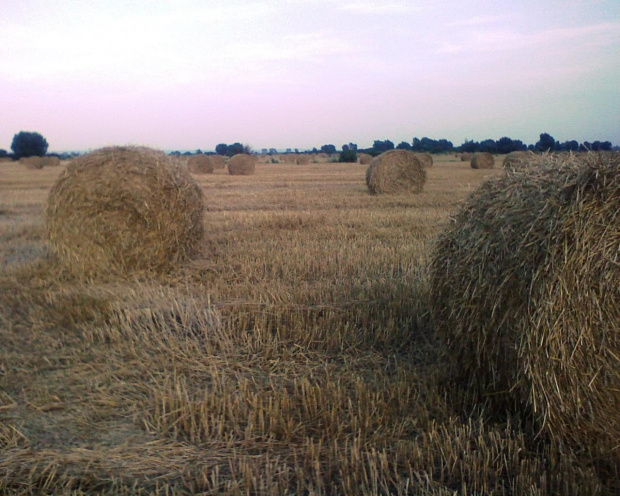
303 159
121 209
364 158
466 157
51 161
526 295
32 162
218 161
241 165
517 159
200 164
396 171
426 159
482 160
290 158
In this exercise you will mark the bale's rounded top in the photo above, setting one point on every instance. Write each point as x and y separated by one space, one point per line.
483 160
395 171
241 165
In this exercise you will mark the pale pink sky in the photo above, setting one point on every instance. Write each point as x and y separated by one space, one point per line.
294 73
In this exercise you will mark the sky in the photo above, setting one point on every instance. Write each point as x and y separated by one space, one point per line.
189 74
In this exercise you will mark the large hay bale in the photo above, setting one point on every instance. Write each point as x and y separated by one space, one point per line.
517 159
303 159
200 164
396 171
122 209
51 161
466 157
32 162
364 158
426 159
482 160
218 161
526 295
241 165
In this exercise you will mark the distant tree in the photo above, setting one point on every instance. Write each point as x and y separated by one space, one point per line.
403 145
175 153
507 145
345 148
353 146
235 149
546 143
329 149
3 153
383 146
488 146
348 155
221 149
470 146
273 151
27 144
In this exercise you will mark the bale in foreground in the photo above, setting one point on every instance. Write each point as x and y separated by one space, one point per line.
241 165
122 209
396 171
526 292
482 160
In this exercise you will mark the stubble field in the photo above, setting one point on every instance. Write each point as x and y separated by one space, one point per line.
295 356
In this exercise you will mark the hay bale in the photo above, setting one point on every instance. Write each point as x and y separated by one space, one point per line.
200 164
32 162
123 209
218 161
482 160
303 159
426 159
51 161
241 165
396 171
466 157
517 159
364 158
526 295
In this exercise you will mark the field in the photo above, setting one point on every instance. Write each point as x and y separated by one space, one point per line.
296 355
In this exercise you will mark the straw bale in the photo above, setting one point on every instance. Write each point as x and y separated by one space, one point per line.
122 209
526 296
241 165
200 164
466 157
364 158
32 162
517 159
426 159
482 160
396 171
51 161
303 159
218 161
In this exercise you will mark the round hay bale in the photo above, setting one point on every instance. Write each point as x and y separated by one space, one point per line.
482 160
218 161
200 164
364 158
396 171
466 157
241 165
303 159
517 159
121 209
526 295
32 162
426 159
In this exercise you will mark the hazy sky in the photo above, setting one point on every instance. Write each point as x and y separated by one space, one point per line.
294 73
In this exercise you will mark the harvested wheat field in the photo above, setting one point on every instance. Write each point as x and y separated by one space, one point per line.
294 354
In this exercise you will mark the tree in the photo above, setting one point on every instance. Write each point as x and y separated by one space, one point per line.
27 144
348 155
383 146
507 145
329 149
221 149
3 153
403 145
488 146
546 143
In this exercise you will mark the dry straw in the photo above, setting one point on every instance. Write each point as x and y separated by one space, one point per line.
364 158
426 159
396 171
466 157
517 159
51 161
122 209
32 162
482 160
526 292
200 164
218 161
303 159
241 165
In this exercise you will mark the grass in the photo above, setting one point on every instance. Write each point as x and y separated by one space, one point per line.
295 356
